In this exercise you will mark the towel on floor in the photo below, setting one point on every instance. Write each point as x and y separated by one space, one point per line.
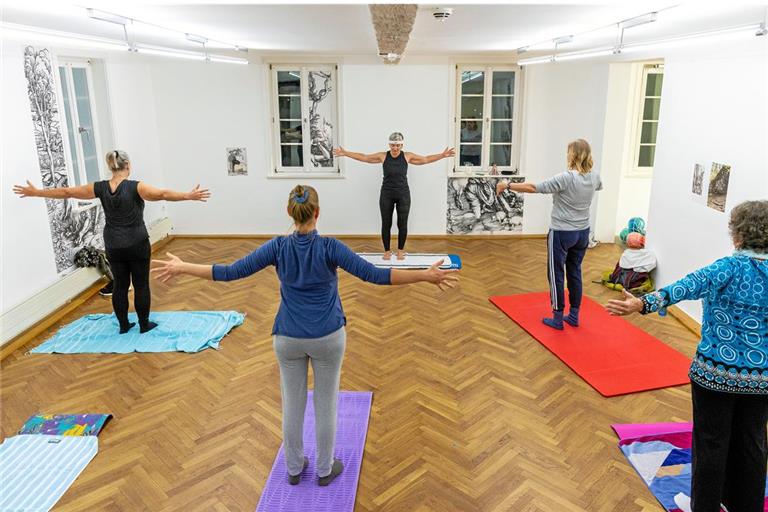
176 331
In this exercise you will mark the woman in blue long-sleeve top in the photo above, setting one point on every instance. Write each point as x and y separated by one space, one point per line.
309 326
729 373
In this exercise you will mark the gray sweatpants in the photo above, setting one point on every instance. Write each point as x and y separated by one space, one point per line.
293 355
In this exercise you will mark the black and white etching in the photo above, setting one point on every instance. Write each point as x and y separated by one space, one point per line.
71 228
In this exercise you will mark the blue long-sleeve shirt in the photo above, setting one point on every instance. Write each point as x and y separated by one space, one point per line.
310 306
732 355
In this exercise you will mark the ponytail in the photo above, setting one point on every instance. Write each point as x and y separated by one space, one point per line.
303 202
117 160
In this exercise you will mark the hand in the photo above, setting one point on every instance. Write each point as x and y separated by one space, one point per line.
198 194
448 152
443 279
630 304
339 151
168 268
501 186
29 191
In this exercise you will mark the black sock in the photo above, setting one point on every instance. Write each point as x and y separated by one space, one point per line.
148 327
127 328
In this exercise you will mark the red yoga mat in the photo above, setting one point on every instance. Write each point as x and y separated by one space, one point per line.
611 354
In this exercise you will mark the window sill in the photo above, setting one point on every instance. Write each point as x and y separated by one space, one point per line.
481 175
306 175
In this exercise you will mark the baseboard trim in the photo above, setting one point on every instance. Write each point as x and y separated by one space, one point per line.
47 307
225 236
685 319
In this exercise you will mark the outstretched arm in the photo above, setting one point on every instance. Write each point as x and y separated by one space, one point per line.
244 267
344 257
81 192
373 158
695 285
528 188
415 159
150 193
173 267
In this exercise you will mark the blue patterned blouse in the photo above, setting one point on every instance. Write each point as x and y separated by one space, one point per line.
732 355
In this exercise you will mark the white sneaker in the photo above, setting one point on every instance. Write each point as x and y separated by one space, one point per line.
683 502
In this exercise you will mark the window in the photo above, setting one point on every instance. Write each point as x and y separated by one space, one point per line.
486 120
304 120
647 126
80 123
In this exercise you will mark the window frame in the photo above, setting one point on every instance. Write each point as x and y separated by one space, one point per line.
645 69
276 170
85 63
485 165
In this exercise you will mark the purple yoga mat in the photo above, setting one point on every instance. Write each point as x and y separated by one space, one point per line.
353 412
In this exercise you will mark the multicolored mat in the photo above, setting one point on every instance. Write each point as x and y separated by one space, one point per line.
661 455
65 424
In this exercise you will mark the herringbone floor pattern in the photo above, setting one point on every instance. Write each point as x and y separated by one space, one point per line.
469 412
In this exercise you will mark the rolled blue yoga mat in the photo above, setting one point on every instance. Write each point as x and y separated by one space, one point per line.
176 331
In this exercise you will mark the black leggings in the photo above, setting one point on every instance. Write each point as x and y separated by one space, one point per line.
131 264
388 201
730 450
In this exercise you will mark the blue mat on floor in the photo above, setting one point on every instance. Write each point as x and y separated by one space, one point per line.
176 331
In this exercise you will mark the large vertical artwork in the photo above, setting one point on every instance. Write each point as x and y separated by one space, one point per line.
71 228
321 98
718 186
474 208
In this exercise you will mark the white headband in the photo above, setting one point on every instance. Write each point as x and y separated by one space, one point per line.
401 142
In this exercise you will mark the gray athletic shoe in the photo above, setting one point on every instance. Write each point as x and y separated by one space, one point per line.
336 470
295 479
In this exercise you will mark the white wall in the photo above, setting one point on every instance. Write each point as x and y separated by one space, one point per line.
563 102
202 109
27 254
714 108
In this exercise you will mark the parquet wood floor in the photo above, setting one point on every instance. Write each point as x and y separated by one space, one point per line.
469 413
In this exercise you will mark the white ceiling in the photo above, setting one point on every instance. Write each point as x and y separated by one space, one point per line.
347 29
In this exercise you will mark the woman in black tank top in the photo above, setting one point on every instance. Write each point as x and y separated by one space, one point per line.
126 239
395 193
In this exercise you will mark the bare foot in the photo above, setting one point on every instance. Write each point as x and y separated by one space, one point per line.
401 255
387 255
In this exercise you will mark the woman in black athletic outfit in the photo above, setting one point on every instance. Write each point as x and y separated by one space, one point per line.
395 193
126 239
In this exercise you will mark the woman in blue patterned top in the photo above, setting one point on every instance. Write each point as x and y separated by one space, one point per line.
309 326
729 373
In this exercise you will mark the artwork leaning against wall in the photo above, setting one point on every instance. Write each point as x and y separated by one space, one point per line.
71 228
474 207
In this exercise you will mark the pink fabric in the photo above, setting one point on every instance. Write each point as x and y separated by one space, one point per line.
633 430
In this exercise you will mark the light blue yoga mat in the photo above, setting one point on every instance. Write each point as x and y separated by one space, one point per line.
176 331
36 470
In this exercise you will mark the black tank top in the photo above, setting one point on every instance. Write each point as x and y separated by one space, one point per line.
123 212
395 173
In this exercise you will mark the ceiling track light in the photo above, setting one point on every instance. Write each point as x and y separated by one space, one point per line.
107 16
755 28
563 40
124 21
638 20
196 39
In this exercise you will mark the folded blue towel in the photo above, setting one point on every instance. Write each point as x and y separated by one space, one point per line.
176 331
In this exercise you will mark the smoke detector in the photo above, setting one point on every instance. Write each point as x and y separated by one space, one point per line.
442 13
